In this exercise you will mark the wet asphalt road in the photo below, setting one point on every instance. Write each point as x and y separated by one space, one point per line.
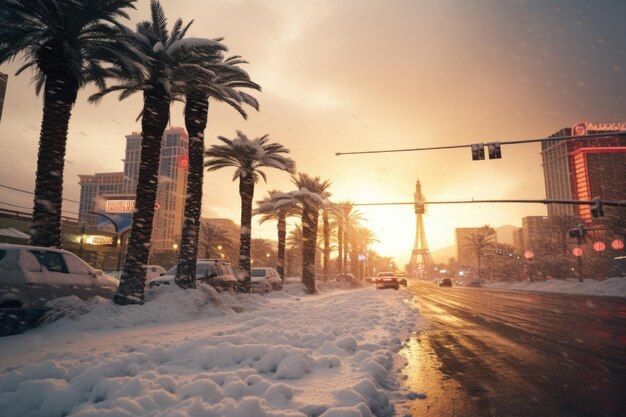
510 353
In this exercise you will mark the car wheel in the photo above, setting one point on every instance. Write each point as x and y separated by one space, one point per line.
12 319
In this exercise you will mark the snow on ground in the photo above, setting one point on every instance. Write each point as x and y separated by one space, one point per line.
615 287
199 353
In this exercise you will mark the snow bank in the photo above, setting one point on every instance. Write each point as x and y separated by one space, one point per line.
615 287
189 353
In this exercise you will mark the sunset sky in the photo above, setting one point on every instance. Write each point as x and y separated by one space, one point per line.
350 75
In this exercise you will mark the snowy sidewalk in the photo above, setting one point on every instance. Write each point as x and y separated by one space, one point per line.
182 355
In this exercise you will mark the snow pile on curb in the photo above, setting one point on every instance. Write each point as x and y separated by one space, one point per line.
615 287
327 355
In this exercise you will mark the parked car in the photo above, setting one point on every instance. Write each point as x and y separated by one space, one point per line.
30 276
153 271
445 282
265 279
215 272
347 279
475 284
387 280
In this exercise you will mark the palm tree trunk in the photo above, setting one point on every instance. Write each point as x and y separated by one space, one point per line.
282 237
246 192
153 123
326 226
479 278
59 97
196 110
309 246
346 248
340 246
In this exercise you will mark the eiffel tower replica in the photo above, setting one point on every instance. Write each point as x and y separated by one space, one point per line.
421 262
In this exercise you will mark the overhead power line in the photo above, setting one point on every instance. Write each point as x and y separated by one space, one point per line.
30 208
510 142
621 203
31 193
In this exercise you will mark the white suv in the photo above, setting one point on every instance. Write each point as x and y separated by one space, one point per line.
265 279
30 276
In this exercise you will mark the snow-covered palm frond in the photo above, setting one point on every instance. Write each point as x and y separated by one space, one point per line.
191 43
158 21
61 36
248 156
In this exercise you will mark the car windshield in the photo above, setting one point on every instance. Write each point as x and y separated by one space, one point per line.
478 146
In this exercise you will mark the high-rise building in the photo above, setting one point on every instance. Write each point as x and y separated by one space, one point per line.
94 187
581 169
3 88
168 219
535 231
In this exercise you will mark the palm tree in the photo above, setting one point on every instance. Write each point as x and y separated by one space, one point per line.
217 78
66 43
215 240
327 231
362 238
276 207
164 53
295 248
312 193
259 251
347 219
248 156
479 241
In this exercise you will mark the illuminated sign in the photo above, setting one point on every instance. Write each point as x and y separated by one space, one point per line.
183 162
120 206
99 240
582 128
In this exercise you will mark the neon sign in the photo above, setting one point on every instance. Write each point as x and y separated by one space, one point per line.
582 128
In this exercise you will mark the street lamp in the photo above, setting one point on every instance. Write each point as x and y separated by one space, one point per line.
175 246
267 257
82 238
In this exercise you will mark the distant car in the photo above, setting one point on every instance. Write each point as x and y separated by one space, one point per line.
475 284
216 272
31 276
445 282
153 271
401 278
387 280
265 279
348 279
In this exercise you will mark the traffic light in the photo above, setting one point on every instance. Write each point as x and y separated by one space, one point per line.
494 150
597 210
579 232
478 151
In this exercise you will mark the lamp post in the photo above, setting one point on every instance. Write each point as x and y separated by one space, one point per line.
267 257
82 238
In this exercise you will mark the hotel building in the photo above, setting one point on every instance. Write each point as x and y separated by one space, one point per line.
99 188
581 169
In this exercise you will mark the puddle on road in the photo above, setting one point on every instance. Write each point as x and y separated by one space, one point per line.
431 391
